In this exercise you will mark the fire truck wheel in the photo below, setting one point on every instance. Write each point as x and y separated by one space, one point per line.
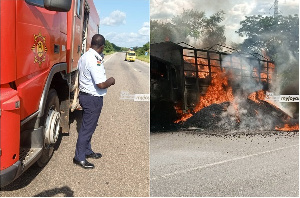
51 123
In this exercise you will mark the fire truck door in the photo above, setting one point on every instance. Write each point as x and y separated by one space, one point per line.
77 33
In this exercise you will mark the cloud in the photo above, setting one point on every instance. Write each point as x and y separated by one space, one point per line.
130 39
115 18
164 9
237 13
289 7
242 9
145 30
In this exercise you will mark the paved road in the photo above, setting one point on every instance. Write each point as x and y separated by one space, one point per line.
193 164
122 136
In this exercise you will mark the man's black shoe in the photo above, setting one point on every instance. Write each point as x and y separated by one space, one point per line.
83 164
94 155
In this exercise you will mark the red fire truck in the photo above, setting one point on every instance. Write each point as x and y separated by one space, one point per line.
41 42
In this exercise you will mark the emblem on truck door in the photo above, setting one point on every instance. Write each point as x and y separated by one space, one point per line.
39 48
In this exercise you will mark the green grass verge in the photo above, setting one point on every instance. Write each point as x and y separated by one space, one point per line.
144 58
108 53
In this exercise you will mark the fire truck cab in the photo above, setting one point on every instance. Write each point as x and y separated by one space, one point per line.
41 43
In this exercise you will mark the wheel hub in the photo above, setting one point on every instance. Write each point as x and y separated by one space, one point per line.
52 126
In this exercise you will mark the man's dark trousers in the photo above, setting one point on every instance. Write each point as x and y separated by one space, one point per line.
91 106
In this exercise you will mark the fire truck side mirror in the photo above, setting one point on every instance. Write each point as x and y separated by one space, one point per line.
58 5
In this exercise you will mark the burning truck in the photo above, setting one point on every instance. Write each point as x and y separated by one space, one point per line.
214 89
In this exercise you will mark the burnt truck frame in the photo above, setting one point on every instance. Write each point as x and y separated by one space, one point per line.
175 82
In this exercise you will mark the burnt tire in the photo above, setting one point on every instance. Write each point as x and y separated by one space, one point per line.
51 107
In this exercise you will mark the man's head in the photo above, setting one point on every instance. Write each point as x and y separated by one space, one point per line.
98 42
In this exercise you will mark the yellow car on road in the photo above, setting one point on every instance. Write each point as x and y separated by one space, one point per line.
130 56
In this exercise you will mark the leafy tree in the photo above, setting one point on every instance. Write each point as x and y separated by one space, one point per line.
124 49
160 32
146 47
108 46
279 38
212 32
141 50
189 25
111 47
116 48
271 34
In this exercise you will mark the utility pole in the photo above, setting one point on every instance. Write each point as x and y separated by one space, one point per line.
276 13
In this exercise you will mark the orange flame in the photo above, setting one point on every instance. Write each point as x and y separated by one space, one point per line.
218 92
288 127
257 96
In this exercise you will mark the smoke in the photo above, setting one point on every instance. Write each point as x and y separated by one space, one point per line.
287 81
240 71
243 114
287 68
215 6
166 9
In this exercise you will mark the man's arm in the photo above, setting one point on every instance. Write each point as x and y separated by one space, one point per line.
109 82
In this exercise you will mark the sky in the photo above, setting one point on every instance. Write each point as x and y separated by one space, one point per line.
124 22
235 11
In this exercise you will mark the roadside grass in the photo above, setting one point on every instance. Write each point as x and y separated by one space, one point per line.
144 58
108 53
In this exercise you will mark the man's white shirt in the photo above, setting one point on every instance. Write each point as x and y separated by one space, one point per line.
91 73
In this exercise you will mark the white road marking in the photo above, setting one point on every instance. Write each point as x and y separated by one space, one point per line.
218 163
135 69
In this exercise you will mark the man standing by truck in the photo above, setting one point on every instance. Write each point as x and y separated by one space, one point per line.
93 86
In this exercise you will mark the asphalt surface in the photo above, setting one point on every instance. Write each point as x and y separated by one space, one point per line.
194 164
122 136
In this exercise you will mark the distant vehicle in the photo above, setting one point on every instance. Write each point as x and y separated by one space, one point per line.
130 56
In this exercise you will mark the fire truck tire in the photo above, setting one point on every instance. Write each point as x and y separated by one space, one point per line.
51 123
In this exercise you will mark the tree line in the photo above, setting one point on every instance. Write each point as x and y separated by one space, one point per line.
111 47
191 27
267 33
142 50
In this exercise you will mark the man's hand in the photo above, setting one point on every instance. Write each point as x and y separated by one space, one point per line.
113 81
109 82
